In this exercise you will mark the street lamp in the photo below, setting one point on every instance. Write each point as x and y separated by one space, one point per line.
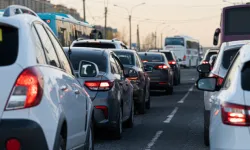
156 33
130 14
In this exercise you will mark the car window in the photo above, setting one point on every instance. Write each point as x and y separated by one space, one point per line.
139 60
125 58
113 66
120 71
48 46
62 57
231 73
40 56
169 56
209 55
95 45
245 74
152 57
228 56
8 45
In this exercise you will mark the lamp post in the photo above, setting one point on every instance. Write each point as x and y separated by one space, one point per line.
156 33
130 18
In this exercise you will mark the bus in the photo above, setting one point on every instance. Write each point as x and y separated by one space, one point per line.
185 48
234 24
67 28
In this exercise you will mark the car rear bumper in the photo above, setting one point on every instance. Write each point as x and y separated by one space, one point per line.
28 132
160 85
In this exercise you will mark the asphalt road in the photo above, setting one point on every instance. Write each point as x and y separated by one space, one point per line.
173 123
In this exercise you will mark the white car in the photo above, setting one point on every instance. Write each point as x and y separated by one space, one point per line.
226 54
42 106
99 43
230 120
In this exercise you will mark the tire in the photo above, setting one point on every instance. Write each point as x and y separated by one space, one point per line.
62 143
142 106
118 128
148 103
130 122
206 128
90 140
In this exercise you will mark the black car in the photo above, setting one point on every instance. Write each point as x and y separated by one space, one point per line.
140 81
160 73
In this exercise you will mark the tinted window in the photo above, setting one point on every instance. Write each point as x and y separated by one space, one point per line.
245 80
114 68
235 25
8 45
63 59
40 57
209 55
174 41
169 56
98 59
48 46
228 56
125 58
95 45
152 57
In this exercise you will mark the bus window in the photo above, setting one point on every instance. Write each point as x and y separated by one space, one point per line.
174 41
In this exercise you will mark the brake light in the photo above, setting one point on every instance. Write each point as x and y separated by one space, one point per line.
172 62
99 85
161 67
234 114
133 78
13 144
205 62
144 61
27 91
184 58
219 79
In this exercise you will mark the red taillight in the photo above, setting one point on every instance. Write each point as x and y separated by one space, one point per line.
99 85
13 144
144 61
219 79
205 62
27 91
104 110
161 67
234 114
172 62
184 58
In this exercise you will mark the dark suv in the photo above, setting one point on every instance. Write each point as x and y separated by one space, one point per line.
140 81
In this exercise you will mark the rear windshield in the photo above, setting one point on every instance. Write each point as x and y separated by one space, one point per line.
98 59
151 57
96 45
245 80
209 55
228 56
126 58
8 45
169 56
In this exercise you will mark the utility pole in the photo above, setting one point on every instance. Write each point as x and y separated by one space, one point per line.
161 42
155 41
130 34
139 43
138 38
84 12
105 26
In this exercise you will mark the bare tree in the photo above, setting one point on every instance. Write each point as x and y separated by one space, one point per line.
122 35
148 42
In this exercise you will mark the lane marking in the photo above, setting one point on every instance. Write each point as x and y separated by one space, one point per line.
155 138
171 116
186 95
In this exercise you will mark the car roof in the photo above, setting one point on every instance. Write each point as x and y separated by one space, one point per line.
98 40
124 50
154 53
86 50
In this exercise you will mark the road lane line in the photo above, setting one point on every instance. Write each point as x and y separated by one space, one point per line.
155 138
170 117
183 99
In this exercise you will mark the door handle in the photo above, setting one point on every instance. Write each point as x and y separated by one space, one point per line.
64 88
77 92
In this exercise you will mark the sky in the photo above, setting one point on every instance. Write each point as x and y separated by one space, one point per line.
195 18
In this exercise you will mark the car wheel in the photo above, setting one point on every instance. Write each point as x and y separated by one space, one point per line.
118 128
90 140
130 122
206 128
148 103
62 143
141 106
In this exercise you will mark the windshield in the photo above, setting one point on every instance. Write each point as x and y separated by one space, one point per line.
174 41
151 57
96 45
125 58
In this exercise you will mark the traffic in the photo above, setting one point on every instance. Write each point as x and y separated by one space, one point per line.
66 86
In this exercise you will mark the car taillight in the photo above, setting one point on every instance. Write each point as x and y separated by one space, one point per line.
184 58
234 114
27 91
219 79
161 67
205 62
133 78
172 62
99 85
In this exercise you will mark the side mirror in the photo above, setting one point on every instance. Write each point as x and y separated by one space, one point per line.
88 69
207 84
131 73
216 36
204 68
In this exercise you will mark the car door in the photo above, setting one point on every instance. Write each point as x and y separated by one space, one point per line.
75 106
124 87
142 75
